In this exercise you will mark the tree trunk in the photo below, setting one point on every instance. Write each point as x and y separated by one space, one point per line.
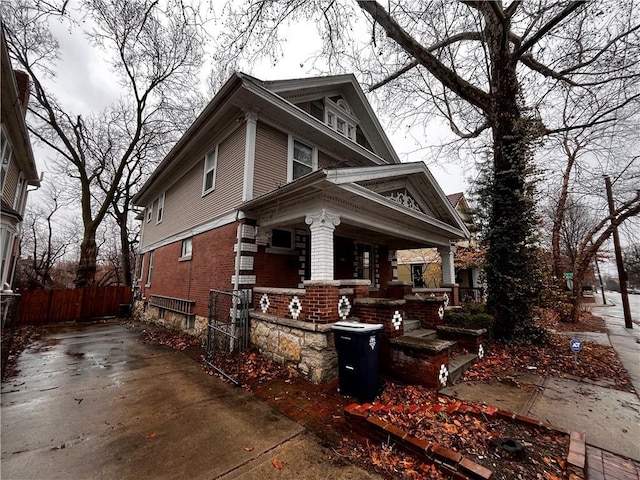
578 277
510 273
86 272
125 246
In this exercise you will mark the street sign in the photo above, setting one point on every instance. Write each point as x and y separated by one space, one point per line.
576 345
568 275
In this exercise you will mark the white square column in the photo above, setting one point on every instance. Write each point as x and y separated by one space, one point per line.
322 224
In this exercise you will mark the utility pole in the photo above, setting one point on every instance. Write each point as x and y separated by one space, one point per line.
622 275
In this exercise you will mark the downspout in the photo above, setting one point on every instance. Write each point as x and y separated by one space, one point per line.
236 282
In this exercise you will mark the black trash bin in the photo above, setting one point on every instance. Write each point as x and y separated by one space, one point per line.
358 347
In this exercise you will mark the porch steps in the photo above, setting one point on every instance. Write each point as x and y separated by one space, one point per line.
422 333
411 325
458 365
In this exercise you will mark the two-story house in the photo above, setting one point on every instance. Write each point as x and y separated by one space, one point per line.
18 164
290 190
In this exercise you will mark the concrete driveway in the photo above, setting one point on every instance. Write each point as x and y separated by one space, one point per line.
92 401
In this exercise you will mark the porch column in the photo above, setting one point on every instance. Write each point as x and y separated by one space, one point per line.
448 272
322 224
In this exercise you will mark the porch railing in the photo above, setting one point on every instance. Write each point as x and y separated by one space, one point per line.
468 294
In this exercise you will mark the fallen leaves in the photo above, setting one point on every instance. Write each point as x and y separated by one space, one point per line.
151 435
175 340
595 362
249 449
278 465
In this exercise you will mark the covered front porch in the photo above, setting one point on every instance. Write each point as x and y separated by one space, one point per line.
326 251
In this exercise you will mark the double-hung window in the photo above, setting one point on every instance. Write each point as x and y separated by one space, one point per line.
209 179
5 153
303 159
160 212
151 254
149 212
187 249
17 201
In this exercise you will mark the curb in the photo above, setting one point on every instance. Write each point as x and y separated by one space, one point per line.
448 461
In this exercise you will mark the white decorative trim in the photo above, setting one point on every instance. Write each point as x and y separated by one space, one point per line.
406 200
264 303
443 376
441 312
480 352
445 297
344 307
246 247
244 280
295 307
246 263
396 320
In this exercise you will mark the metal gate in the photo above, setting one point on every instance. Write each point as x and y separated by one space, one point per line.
227 332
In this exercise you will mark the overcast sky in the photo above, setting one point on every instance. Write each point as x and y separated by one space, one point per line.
85 84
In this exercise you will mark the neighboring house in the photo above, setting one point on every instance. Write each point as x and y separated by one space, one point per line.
18 165
281 188
422 267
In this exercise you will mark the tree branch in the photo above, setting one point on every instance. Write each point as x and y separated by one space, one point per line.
441 72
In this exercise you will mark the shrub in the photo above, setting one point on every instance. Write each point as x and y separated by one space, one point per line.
465 319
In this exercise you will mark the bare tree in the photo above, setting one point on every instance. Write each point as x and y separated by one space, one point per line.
490 70
47 239
154 48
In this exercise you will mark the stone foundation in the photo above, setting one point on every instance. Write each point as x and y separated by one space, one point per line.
308 347
144 312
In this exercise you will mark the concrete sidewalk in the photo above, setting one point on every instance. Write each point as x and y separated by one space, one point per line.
93 402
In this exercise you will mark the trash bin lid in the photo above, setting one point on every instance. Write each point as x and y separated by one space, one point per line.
357 326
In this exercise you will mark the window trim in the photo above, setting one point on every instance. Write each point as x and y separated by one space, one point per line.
183 251
149 212
212 168
277 249
290 159
334 114
20 191
150 267
6 153
160 211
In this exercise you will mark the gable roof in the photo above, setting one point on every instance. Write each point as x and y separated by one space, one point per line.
454 198
314 88
373 185
243 93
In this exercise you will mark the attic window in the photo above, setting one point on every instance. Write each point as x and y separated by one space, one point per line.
338 117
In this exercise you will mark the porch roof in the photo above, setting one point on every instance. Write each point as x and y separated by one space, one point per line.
398 205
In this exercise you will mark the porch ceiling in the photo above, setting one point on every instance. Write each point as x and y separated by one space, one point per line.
365 214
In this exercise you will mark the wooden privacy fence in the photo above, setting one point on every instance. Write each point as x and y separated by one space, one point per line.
54 306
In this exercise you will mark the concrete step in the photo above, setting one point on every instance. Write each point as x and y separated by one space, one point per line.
459 364
422 333
411 325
